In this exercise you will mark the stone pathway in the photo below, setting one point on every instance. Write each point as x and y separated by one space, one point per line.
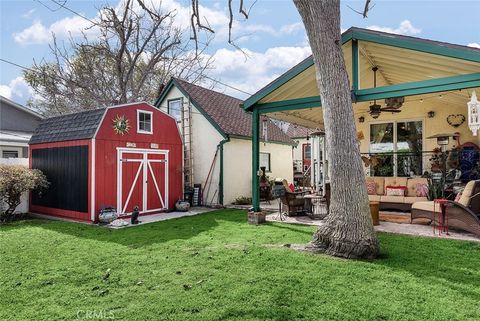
389 227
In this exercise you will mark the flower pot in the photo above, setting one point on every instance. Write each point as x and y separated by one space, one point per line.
256 218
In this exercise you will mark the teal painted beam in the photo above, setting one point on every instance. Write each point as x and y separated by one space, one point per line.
355 79
255 160
291 104
416 44
420 87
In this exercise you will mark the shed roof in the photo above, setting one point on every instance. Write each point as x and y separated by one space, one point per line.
74 126
223 111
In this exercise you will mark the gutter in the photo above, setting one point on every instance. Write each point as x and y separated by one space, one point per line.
220 180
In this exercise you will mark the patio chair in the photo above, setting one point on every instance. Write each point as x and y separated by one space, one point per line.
462 215
293 203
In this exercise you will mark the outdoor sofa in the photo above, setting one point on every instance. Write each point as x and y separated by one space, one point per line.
401 202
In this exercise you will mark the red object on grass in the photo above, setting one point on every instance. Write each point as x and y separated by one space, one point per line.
442 216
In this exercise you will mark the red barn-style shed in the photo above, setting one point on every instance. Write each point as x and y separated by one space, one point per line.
120 156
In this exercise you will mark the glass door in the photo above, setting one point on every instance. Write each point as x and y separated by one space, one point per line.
382 145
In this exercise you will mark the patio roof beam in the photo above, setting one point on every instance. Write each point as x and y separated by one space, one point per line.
290 104
420 87
422 45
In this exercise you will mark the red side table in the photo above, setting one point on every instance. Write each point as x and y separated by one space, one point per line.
442 216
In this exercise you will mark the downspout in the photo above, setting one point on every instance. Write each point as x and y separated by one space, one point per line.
220 179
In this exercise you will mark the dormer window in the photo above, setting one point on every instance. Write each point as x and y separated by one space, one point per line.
144 122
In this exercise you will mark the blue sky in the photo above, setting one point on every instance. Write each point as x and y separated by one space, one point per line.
274 36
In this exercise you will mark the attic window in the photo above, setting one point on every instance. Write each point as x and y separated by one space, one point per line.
175 108
144 122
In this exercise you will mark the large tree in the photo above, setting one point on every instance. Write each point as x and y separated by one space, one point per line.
348 231
135 49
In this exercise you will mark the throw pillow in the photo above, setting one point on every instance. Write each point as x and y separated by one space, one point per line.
395 190
458 196
421 190
371 187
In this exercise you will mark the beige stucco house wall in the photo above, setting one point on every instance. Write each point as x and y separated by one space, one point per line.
205 139
238 166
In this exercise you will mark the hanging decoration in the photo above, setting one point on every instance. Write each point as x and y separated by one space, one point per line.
473 114
455 120
265 130
121 125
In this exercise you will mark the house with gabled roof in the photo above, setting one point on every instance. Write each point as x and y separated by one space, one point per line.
217 135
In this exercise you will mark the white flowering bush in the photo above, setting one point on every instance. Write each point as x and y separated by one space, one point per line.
14 181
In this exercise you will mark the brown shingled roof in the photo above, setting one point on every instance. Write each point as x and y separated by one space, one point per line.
297 131
226 112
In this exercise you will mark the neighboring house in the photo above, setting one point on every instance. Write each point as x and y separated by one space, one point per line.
217 142
17 124
302 153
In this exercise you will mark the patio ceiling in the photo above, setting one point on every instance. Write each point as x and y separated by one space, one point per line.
419 69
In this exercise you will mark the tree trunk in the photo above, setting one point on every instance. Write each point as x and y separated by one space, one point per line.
348 230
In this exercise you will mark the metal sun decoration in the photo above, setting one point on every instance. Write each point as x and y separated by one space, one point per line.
474 114
121 125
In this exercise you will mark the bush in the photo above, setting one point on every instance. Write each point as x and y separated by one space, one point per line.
243 200
14 181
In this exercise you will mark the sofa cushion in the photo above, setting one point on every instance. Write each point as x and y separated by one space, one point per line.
413 199
379 182
371 187
392 199
374 198
467 193
425 206
395 190
395 181
413 185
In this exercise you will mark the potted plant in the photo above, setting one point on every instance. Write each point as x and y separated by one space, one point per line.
436 161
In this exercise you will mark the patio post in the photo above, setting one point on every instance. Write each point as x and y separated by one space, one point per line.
255 159
354 65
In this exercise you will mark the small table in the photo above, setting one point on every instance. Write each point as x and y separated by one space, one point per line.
375 212
316 206
442 216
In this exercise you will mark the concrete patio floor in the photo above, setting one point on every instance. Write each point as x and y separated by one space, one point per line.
146 219
389 227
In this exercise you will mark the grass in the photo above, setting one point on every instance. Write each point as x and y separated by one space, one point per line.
217 267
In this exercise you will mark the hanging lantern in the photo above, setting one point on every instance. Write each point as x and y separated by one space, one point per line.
474 114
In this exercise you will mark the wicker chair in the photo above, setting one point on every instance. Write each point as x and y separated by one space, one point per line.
462 215
293 203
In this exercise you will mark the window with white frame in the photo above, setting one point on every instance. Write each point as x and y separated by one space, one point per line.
175 109
398 148
144 122
265 161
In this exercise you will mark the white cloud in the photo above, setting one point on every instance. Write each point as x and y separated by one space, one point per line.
474 45
38 33
17 90
405 28
291 28
29 13
252 73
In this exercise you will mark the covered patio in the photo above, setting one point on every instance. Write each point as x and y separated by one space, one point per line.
397 82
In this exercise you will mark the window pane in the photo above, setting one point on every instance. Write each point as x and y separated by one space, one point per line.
381 141
10 154
175 109
144 122
307 154
409 148
265 161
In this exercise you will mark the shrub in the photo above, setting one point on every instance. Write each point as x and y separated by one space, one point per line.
243 200
14 181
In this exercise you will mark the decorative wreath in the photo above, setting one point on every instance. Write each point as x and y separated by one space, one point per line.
455 120
121 125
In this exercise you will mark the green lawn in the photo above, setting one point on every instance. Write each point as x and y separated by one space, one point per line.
217 267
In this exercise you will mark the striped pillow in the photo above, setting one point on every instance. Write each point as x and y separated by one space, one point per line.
371 187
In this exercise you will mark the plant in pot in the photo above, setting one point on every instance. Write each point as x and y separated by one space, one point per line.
436 161
435 189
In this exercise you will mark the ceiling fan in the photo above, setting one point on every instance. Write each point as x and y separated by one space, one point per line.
392 104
